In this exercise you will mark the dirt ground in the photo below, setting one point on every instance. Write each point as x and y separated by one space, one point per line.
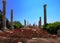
33 40
28 36
44 40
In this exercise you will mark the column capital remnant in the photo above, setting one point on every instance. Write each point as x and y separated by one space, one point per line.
45 5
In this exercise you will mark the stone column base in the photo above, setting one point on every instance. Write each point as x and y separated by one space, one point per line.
5 29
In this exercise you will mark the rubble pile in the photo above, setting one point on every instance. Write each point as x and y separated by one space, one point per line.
27 33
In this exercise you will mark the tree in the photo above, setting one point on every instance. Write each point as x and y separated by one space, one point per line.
17 24
53 27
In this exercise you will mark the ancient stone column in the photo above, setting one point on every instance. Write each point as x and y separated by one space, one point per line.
45 17
25 24
4 14
0 19
40 23
12 27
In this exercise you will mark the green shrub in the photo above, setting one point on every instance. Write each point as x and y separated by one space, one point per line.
52 27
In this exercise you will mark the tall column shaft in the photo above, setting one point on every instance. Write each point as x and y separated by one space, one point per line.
4 14
12 19
24 23
40 23
45 17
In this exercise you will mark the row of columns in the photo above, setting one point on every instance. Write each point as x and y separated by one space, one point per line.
4 16
45 17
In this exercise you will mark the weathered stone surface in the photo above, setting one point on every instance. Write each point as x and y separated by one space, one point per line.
24 23
45 17
40 23
4 14
12 28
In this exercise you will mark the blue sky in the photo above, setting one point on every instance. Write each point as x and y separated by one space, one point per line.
31 10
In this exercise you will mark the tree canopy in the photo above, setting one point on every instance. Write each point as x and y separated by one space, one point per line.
17 24
52 27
